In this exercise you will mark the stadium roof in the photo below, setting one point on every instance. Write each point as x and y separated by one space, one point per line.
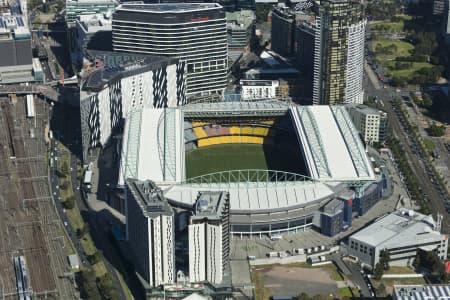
153 146
247 197
240 108
400 227
331 145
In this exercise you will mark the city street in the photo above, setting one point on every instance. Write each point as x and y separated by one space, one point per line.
418 161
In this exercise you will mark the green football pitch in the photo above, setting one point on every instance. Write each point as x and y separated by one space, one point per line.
228 157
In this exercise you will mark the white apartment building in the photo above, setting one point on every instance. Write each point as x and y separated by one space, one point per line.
370 122
150 233
209 238
258 89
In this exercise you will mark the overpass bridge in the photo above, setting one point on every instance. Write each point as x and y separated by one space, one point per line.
39 89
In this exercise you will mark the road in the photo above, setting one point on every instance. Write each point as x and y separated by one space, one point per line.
97 226
418 161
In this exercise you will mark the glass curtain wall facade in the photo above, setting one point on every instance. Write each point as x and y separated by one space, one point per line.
339 54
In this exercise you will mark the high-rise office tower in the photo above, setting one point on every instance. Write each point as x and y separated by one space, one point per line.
150 233
339 52
209 237
193 32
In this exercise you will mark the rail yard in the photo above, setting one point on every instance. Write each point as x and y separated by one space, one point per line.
29 224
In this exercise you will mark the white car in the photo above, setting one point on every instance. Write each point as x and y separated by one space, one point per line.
65 223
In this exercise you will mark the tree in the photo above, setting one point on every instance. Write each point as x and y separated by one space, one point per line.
64 185
88 285
303 296
95 258
384 259
381 290
65 167
378 271
106 287
69 203
436 130
83 230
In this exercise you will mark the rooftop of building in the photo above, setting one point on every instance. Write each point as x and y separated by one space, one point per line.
92 23
210 204
149 197
15 26
104 66
364 109
169 8
267 62
240 19
91 1
420 292
400 227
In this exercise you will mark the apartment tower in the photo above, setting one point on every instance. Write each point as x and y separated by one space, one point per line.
209 237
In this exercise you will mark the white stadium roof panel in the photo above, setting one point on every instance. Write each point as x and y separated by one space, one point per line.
255 197
331 145
153 147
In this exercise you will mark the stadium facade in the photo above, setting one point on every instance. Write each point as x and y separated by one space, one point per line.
118 83
192 32
263 202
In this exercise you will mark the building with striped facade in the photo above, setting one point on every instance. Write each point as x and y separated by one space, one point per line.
194 33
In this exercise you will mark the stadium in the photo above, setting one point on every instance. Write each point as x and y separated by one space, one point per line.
282 164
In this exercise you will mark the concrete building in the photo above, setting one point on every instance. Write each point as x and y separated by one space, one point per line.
195 33
16 64
401 233
240 30
421 292
371 122
76 8
94 32
150 233
209 237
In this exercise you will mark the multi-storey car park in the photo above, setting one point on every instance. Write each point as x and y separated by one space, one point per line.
193 32
281 164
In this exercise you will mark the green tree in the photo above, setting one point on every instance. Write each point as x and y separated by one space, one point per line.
378 271
427 101
83 230
303 296
65 167
69 203
106 287
384 259
88 285
437 130
96 257
64 185
381 290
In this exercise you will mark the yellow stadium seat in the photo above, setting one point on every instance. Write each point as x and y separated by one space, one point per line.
200 132
236 139
247 130
244 139
235 130
203 143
